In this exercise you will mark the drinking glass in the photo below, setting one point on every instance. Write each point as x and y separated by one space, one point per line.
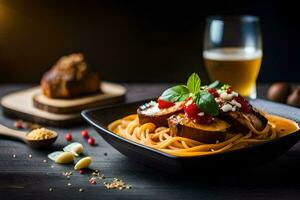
232 51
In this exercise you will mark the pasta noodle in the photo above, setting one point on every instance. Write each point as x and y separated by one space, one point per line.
160 138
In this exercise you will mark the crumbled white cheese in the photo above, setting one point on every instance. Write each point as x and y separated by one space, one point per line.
153 103
149 104
143 107
201 114
233 109
235 93
226 108
226 96
218 100
235 103
151 110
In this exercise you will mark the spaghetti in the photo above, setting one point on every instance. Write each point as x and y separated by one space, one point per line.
162 139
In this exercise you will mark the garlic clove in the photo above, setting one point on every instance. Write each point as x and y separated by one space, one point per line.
54 155
83 163
75 148
64 158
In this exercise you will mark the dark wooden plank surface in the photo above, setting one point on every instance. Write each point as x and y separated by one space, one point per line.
30 178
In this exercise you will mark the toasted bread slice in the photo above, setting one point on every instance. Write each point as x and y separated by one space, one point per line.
150 113
182 126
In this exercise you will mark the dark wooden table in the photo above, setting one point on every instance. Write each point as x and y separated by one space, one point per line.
30 178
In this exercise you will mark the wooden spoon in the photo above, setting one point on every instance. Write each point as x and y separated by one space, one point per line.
22 135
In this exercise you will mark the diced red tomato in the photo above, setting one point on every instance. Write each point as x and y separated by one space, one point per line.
192 110
214 92
229 90
246 107
164 104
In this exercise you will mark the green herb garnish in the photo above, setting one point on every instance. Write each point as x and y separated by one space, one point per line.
225 87
176 94
203 99
207 103
194 83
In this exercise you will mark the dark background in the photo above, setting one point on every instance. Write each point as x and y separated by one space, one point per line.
129 41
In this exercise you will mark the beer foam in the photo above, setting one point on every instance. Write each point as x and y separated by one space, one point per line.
232 54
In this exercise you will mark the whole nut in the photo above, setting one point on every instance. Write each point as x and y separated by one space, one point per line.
279 92
294 98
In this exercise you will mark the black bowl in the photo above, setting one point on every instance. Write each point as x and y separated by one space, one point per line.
99 118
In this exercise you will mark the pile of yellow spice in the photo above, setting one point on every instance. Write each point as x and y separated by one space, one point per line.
41 134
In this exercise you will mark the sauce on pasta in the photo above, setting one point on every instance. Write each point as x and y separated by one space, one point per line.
161 139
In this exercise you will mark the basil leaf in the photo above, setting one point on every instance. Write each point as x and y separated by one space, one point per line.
207 103
175 94
194 83
216 84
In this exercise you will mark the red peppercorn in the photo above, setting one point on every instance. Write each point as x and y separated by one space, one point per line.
164 104
93 182
18 124
81 171
85 133
68 137
214 92
91 141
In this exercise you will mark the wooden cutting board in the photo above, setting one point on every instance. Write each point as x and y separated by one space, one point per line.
32 105
111 93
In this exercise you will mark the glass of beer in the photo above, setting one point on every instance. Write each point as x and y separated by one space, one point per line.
233 51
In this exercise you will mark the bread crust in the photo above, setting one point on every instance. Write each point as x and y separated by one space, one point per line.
70 78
